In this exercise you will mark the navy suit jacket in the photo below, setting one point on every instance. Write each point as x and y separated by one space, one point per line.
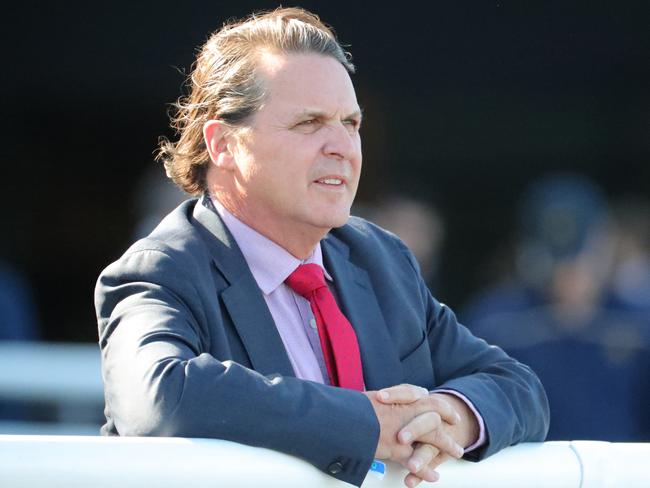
189 348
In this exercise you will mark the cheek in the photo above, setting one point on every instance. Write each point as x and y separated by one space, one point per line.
253 173
359 153
245 166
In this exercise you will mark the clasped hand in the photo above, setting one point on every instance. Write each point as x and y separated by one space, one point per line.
419 430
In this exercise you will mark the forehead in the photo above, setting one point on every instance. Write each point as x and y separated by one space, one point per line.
299 82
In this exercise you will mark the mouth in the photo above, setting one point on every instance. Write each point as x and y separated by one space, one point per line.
331 181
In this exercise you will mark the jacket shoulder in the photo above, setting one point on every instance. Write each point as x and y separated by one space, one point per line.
176 236
173 249
367 240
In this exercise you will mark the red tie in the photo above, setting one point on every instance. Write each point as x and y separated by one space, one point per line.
337 337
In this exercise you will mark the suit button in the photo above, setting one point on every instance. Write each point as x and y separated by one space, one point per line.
335 468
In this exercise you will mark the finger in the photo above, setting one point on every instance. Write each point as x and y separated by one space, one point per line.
443 441
404 393
428 474
400 453
438 403
411 480
422 456
418 427
438 460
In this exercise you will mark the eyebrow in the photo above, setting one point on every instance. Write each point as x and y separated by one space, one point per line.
319 114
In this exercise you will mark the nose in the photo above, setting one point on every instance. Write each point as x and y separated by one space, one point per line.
342 142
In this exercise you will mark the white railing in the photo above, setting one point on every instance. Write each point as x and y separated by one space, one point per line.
62 381
101 462
68 376
52 372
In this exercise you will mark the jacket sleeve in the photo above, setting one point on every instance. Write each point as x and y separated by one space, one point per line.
160 381
507 394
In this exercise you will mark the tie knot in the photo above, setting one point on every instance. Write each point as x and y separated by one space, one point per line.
305 279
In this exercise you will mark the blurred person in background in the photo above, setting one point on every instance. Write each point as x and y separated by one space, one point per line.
556 314
417 223
18 322
17 308
154 197
630 277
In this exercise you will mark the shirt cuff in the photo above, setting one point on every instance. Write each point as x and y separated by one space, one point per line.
481 424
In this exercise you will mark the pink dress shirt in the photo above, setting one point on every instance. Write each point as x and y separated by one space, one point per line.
270 265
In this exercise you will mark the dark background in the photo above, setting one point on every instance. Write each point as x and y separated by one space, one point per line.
465 103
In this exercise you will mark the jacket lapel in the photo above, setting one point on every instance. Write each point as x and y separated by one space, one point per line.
381 365
242 297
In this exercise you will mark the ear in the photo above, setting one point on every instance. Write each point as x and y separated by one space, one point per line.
216 137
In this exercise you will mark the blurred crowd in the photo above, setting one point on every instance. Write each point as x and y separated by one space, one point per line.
575 307
570 297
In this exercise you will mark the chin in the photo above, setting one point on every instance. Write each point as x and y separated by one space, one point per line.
338 220
328 217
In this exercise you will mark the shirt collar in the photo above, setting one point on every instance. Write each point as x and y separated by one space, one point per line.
269 262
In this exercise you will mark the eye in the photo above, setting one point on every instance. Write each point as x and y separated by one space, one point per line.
353 124
308 126
308 122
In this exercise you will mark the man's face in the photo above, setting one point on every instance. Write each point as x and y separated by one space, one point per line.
298 163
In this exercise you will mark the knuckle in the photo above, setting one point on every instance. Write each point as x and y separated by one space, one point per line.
414 392
433 420
444 401
441 439
437 402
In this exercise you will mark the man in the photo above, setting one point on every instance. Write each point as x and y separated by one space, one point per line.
205 330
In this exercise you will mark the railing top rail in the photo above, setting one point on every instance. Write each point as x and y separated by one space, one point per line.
41 371
27 461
